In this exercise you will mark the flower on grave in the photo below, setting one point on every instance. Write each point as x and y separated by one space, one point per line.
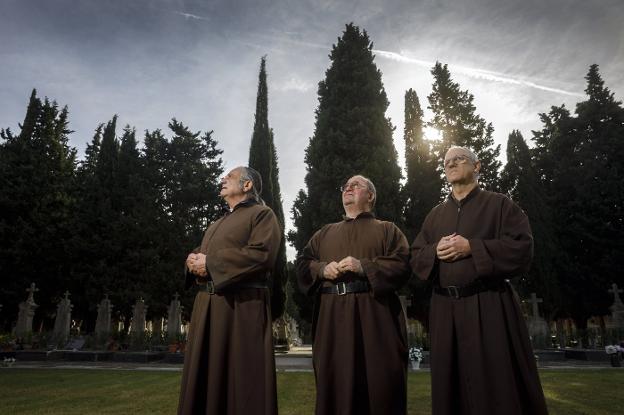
415 354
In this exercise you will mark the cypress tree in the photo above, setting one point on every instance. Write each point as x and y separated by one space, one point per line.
352 136
263 158
37 170
454 116
421 193
521 183
422 189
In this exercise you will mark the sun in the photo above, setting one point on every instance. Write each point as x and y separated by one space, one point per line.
432 134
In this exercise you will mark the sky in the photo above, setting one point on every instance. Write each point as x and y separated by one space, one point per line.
198 61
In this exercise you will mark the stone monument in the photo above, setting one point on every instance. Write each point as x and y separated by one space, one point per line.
62 322
617 309
103 322
538 328
26 313
174 318
139 311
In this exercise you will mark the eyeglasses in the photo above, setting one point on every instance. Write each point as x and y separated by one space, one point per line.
352 186
456 160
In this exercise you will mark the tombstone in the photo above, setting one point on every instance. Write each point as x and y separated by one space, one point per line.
26 313
174 318
293 328
62 322
281 335
103 322
617 309
538 328
139 311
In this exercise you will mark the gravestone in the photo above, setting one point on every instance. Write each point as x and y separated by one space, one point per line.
295 338
26 313
174 318
139 311
281 335
62 322
617 309
103 322
538 328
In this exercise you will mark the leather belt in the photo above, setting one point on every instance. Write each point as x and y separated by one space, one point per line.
210 288
343 288
475 287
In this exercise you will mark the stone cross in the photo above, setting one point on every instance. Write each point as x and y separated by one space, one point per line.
616 294
31 293
26 313
62 322
534 302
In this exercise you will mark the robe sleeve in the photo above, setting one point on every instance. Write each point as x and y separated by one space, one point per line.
511 253
309 267
230 265
388 272
423 251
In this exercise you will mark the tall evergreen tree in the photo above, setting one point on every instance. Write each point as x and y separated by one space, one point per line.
521 183
421 193
352 135
263 158
422 189
455 117
579 159
36 202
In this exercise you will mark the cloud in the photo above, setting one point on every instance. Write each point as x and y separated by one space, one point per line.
476 73
294 84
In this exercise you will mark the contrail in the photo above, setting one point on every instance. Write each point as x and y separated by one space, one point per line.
191 16
475 73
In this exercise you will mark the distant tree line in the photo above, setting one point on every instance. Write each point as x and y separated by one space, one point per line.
121 220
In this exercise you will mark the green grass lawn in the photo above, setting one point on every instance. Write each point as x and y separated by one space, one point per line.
65 391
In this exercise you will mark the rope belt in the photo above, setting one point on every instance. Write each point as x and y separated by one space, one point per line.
210 289
343 288
475 287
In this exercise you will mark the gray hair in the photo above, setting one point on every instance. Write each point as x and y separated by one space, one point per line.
471 155
371 188
247 173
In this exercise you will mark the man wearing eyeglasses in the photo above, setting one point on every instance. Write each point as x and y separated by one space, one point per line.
354 268
469 246
229 366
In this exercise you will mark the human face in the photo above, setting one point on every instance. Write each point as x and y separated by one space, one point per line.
230 184
355 193
458 167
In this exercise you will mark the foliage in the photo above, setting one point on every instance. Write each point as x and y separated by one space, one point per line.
263 158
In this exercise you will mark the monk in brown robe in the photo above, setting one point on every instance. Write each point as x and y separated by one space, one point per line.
481 358
229 366
359 347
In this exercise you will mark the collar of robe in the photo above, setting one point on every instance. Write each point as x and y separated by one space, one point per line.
469 196
244 203
362 215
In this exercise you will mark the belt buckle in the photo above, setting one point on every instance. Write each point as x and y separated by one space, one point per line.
344 288
453 291
210 287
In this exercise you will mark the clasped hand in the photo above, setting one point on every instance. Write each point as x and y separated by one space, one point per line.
196 263
335 269
452 248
